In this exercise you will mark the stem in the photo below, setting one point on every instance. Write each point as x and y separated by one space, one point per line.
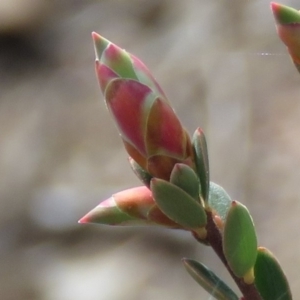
214 238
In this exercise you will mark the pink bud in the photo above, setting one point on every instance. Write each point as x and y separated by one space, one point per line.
152 133
129 207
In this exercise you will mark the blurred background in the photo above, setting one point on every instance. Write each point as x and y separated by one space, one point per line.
223 68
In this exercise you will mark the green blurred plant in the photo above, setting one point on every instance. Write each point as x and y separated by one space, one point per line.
174 169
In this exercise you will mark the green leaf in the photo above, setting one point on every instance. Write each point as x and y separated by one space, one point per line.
114 57
239 240
184 177
201 160
143 175
288 29
119 61
209 280
109 215
269 277
144 76
100 44
285 14
178 205
219 200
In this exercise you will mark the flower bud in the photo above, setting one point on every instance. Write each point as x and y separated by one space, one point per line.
151 132
288 29
134 206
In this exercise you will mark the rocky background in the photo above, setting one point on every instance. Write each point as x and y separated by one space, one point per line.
223 68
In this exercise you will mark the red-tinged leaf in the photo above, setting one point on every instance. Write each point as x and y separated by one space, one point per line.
136 155
104 74
119 61
284 14
100 44
144 76
107 213
130 207
290 35
161 166
136 202
288 29
156 216
126 100
141 173
165 134
125 64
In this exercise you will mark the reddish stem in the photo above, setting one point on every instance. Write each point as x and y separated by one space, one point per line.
214 238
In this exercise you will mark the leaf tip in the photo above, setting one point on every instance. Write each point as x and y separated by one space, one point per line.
274 6
285 15
201 233
249 276
83 220
234 203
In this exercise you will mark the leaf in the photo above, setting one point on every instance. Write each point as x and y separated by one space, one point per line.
269 277
114 57
178 205
288 29
184 177
100 44
108 213
219 200
239 240
143 175
144 76
209 280
129 101
285 14
129 207
201 160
